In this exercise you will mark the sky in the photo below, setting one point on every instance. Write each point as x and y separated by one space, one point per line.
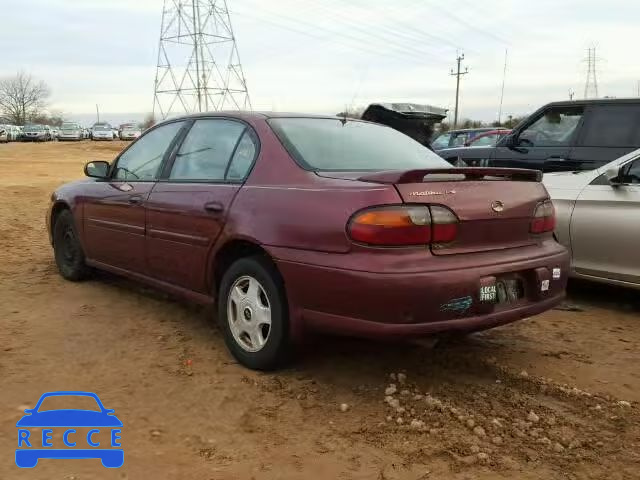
324 55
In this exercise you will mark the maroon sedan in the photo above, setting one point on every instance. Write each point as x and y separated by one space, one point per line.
301 223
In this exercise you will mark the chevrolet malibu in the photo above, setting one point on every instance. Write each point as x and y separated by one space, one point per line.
293 224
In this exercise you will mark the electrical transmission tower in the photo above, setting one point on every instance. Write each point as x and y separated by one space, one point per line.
199 66
591 84
458 74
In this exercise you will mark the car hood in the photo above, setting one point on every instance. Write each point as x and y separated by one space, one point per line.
69 418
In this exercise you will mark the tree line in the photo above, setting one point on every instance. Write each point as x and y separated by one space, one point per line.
24 99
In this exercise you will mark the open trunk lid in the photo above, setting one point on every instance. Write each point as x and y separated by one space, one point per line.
494 206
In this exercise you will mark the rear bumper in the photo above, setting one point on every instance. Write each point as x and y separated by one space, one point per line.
384 305
356 327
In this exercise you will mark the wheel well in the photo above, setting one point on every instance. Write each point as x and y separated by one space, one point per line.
231 252
57 209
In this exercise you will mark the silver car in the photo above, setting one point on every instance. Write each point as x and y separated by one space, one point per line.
598 220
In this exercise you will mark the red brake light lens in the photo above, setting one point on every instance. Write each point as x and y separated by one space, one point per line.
403 225
391 226
544 218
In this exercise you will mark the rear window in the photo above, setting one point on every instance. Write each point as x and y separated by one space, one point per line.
612 126
328 144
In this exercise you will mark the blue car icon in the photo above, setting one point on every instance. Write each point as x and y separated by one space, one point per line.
31 448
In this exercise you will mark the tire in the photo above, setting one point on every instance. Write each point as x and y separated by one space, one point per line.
256 345
67 250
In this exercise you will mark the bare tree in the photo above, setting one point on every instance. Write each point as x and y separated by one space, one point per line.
149 121
22 97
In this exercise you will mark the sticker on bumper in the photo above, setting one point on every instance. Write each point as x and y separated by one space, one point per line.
457 305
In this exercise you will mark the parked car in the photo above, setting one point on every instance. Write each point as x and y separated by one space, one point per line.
102 131
11 133
599 220
71 131
487 139
37 133
563 136
303 223
457 138
130 132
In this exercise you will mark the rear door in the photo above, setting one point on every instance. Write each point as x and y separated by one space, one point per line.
544 143
609 132
188 208
114 210
605 228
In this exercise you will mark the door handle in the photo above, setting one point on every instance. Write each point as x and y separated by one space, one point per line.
556 159
214 207
135 199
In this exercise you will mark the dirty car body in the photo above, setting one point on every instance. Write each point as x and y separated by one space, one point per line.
367 232
599 220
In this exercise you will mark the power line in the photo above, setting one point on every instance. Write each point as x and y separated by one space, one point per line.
360 38
458 74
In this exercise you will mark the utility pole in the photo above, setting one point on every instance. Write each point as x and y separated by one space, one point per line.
199 66
571 94
591 84
98 112
504 77
458 74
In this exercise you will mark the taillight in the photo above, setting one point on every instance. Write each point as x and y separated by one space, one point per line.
544 218
444 225
403 225
391 226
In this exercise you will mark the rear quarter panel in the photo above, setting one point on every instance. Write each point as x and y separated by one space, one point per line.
282 205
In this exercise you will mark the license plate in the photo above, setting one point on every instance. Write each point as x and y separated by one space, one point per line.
504 291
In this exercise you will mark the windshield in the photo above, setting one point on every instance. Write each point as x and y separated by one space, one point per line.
328 144
70 126
66 402
102 128
33 128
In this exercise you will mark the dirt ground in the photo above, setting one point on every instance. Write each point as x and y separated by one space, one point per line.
556 396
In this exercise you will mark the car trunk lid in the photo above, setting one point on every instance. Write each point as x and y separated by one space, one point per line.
494 206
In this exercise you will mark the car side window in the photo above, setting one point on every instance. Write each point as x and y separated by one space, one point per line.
555 128
442 141
631 173
142 161
612 126
206 151
243 157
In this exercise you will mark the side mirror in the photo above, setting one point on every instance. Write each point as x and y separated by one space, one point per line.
508 141
614 176
97 169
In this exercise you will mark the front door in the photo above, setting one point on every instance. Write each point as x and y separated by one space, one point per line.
545 143
188 207
115 210
605 227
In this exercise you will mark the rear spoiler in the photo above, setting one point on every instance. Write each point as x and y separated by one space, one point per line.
469 173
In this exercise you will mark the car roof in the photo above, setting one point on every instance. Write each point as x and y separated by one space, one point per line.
244 114
595 101
463 130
